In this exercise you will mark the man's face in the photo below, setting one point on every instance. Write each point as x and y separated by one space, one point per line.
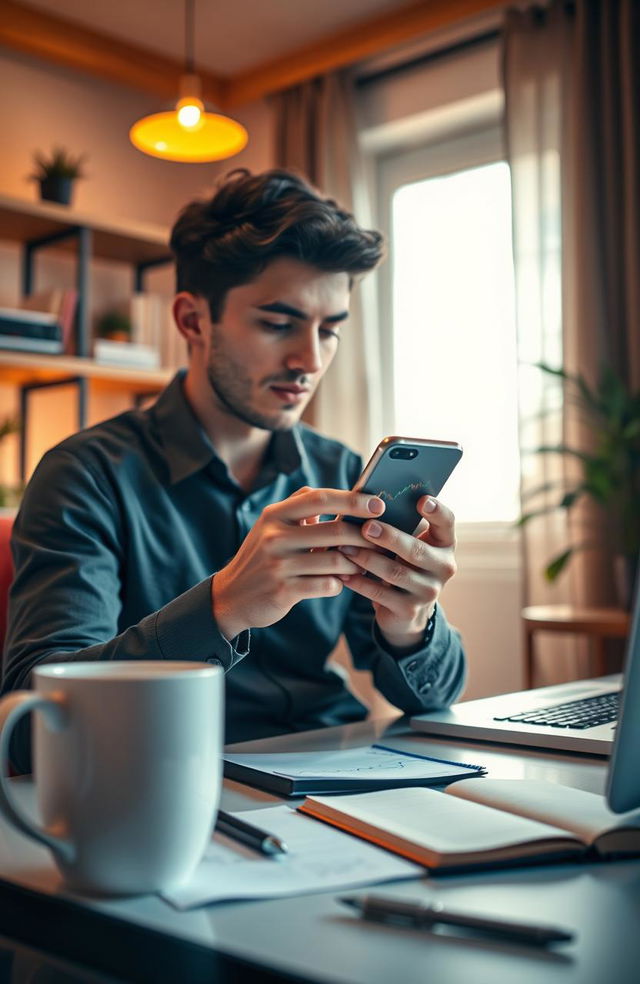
274 341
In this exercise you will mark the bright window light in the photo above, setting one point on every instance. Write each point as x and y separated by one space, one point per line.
455 365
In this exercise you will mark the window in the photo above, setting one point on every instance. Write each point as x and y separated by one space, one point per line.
449 302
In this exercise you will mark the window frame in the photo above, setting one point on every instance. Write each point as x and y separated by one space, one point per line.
391 171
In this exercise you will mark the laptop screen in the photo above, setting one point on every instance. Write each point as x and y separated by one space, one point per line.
623 785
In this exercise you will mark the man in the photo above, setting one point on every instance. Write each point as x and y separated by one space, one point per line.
193 530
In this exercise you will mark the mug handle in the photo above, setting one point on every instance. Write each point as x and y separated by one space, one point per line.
12 708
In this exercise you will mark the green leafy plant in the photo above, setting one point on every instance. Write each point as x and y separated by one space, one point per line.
59 164
610 468
114 324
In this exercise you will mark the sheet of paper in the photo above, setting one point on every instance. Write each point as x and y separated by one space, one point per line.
320 858
370 762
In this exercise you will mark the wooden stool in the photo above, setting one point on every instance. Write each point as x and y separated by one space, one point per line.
597 624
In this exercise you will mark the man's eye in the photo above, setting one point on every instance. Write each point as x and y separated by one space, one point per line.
329 333
276 325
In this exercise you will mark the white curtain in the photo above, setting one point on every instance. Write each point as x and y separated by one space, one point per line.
535 67
316 135
571 82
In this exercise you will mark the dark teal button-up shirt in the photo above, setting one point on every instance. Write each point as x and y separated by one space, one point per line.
121 529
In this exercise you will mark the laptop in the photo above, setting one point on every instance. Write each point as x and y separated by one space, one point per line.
574 717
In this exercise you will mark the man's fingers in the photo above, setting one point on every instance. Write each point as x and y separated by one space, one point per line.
319 536
325 562
396 602
442 522
418 551
396 572
326 502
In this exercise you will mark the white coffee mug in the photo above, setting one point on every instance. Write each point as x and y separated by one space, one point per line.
127 767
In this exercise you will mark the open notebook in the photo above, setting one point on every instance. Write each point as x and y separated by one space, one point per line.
485 823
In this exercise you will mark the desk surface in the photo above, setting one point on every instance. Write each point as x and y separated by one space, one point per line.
313 938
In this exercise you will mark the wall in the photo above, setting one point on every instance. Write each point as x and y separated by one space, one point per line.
53 105
46 105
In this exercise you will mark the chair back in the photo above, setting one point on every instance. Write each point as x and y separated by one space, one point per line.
6 572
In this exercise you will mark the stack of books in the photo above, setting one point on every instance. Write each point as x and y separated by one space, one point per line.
153 326
41 323
125 354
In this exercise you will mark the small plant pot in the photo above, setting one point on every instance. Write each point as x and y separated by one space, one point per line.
56 190
117 336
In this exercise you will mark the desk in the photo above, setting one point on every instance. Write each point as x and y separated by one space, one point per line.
597 624
313 938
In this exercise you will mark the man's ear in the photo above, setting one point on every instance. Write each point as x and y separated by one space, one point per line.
187 314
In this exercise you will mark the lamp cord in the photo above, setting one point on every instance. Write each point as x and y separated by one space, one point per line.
189 36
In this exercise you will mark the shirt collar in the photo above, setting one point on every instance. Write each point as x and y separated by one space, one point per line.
188 448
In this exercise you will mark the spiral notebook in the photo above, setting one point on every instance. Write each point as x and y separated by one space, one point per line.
343 770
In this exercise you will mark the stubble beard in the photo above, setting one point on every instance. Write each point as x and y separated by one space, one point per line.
232 388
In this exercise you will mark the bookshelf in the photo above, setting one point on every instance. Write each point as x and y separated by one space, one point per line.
39 225
22 368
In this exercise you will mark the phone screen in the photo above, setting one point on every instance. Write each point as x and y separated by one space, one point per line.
406 472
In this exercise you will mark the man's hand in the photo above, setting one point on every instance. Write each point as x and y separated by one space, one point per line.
285 558
411 579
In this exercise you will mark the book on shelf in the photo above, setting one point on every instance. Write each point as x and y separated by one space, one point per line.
365 768
489 823
152 325
30 331
59 301
125 354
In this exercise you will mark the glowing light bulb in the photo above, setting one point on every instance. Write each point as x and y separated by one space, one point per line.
189 113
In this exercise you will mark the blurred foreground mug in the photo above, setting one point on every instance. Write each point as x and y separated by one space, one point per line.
127 767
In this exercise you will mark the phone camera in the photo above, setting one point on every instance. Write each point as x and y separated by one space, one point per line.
405 453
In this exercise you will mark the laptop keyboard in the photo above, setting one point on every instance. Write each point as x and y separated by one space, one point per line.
576 714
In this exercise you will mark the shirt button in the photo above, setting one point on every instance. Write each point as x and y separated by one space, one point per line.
412 665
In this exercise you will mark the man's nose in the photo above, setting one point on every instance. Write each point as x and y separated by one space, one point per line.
305 354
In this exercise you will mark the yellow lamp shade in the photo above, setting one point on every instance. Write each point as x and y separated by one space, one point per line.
213 138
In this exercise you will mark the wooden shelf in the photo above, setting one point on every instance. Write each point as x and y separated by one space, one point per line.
128 242
20 368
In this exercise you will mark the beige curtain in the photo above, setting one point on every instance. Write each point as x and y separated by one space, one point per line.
571 79
316 135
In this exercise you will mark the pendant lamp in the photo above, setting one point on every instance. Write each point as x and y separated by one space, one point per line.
189 132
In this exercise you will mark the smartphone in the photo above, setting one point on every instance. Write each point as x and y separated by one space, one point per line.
403 469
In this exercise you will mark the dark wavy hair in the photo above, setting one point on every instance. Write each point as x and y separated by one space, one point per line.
251 220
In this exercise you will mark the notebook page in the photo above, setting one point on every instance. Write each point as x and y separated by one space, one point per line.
584 814
435 821
369 762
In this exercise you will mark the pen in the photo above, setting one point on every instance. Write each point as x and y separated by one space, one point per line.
246 833
414 914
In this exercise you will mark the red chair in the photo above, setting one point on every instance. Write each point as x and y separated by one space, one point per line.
6 572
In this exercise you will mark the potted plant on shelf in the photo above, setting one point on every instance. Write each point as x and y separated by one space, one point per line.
610 472
56 174
114 326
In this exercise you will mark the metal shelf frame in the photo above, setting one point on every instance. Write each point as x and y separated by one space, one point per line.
82 328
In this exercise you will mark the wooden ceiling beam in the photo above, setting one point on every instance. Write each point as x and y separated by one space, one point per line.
352 45
34 32
49 37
